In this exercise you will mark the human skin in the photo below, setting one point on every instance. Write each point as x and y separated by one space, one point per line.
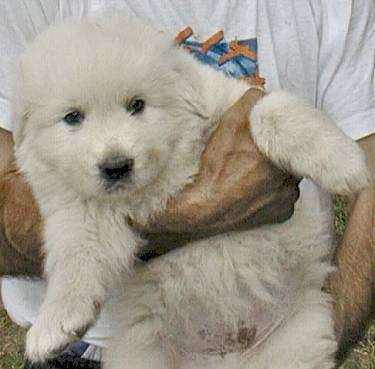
262 194
352 286
236 187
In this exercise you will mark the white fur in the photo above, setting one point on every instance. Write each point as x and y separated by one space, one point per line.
302 135
188 308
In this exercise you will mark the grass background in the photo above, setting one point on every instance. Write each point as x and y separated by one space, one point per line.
362 356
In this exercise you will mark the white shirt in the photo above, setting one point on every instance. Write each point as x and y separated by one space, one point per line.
323 51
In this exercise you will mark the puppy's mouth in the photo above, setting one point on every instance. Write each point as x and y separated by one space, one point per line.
116 173
117 186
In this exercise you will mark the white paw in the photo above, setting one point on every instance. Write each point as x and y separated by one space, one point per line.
315 149
56 327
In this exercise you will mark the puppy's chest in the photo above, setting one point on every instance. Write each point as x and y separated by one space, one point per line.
111 229
218 324
217 298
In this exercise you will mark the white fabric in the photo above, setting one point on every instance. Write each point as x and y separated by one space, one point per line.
321 50
23 297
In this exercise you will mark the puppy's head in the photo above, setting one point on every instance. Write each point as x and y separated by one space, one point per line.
103 108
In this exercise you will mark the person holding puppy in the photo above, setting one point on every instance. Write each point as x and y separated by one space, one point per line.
272 192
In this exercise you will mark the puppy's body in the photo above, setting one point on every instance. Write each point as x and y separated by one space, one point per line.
237 300
241 300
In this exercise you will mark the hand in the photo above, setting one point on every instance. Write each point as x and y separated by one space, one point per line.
236 188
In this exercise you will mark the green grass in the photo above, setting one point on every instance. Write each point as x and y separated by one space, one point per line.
341 215
362 357
11 343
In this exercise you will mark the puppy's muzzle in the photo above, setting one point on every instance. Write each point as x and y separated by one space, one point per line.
116 169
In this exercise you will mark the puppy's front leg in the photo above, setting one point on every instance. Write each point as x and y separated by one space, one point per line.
81 266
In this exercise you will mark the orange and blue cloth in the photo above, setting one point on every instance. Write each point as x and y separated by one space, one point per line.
237 58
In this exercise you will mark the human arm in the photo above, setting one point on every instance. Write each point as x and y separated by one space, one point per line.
21 252
236 187
352 285
347 93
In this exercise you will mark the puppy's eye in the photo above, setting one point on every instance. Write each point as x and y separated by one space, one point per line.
74 117
135 106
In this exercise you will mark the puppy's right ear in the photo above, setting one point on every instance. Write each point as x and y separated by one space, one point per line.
299 139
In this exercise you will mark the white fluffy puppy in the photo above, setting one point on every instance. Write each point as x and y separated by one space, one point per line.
112 118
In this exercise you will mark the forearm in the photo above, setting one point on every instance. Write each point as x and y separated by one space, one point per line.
368 146
20 223
352 285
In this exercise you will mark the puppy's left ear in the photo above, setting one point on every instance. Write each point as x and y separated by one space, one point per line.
299 139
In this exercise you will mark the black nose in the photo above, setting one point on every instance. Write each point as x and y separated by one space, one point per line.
115 169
